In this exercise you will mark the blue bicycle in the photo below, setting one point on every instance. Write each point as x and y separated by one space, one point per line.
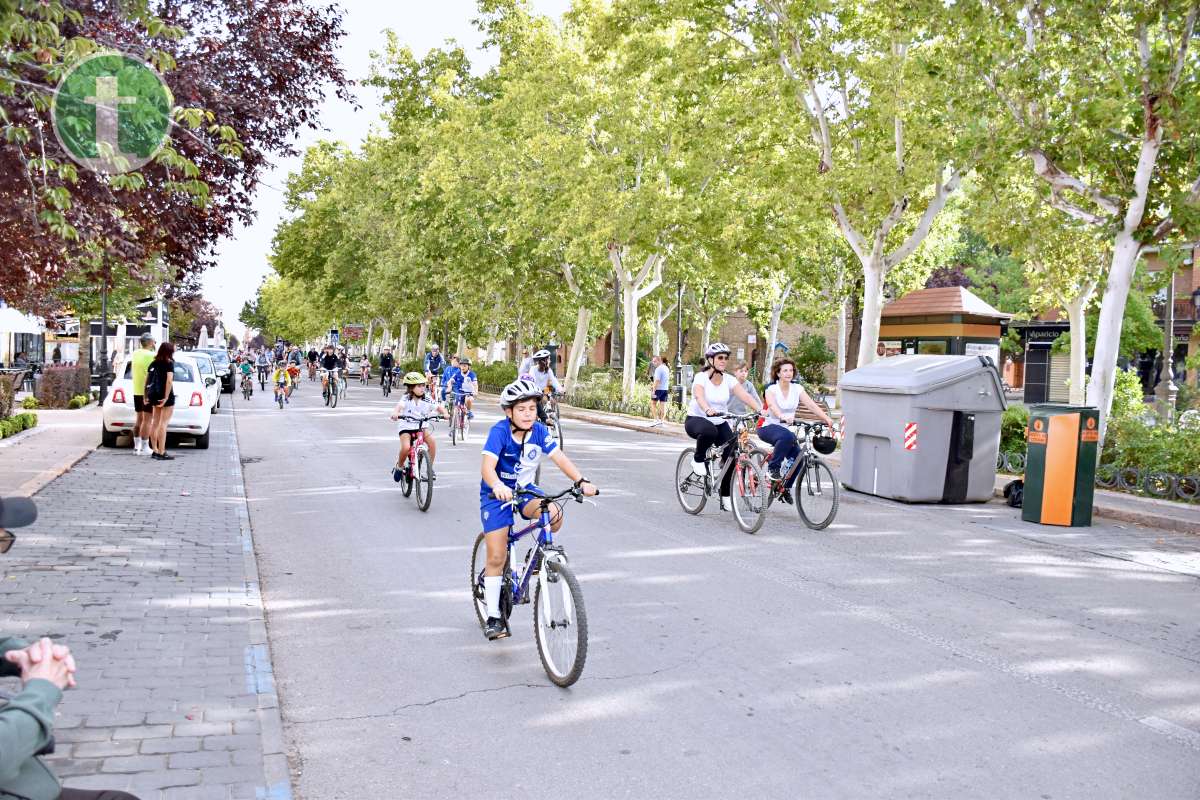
559 619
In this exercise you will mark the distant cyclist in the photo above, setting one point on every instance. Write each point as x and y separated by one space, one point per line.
463 384
544 378
386 362
263 362
414 405
434 364
282 381
447 376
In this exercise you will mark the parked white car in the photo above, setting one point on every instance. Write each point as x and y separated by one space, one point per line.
193 410
208 369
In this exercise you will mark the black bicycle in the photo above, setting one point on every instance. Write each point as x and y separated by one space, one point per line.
386 379
816 490
262 377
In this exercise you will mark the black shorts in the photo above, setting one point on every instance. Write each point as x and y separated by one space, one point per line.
152 402
660 395
140 406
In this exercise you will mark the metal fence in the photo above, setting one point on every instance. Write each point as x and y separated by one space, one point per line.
1152 483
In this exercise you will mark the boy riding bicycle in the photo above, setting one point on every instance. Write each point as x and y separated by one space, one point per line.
282 381
463 384
413 406
511 454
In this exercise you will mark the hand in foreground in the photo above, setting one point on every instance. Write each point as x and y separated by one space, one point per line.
502 493
588 489
46 660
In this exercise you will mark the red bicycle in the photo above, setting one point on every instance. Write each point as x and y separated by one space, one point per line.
418 471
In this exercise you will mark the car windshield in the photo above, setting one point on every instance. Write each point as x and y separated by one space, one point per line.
219 356
183 373
205 365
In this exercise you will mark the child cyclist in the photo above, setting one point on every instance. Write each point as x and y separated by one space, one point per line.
511 454
282 381
463 384
544 378
447 377
293 371
414 405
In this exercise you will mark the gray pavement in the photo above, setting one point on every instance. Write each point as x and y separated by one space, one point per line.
34 457
145 569
905 652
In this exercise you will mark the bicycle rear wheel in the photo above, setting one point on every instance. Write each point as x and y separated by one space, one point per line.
478 561
560 623
424 481
689 487
558 431
749 494
817 494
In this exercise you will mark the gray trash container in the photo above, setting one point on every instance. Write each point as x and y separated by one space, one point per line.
923 429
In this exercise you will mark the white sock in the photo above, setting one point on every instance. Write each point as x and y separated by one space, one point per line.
698 467
491 594
138 444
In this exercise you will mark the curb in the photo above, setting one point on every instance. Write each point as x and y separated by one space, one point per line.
22 436
259 671
38 482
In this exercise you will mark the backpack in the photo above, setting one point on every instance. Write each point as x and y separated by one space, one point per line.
156 380
1014 493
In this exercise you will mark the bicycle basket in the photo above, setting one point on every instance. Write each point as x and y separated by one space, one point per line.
824 444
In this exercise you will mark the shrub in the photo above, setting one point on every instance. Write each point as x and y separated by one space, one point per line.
1132 442
1127 397
1012 429
79 401
495 376
59 384
15 424
29 402
812 355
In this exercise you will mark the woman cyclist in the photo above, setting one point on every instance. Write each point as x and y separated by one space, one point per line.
711 391
511 454
783 398
414 404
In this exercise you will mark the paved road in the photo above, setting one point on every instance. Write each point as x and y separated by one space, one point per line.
906 652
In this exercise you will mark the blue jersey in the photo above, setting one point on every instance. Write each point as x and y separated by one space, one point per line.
516 463
448 374
434 364
459 378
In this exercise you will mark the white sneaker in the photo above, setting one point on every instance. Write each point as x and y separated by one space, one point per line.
725 504
698 469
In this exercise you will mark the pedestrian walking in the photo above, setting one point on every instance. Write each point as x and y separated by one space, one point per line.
141 359
56 356
160 379
658 392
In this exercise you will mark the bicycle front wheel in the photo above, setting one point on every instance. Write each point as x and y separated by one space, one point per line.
466 426
333 396
454 426
689 487
749 494
817 494
325 394
478 561
558 431
560 623
424 481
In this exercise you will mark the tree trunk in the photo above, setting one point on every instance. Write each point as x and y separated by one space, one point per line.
872 308
520 338
370 335
776 313
402 347
1075 313
1108 329
422 337
629 311
583 321
841 348
462 342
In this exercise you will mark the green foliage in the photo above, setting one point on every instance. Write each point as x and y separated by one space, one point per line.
1128 402
79 401
812 355
1013 424
59 385
30 402
496 376
1139 330
11 426
1132 442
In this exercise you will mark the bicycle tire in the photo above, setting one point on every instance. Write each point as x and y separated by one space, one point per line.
817 480
748 495
565 668
423 479
686 480
466 426
406 481
325 394
333 397
478 562
558 430
454 426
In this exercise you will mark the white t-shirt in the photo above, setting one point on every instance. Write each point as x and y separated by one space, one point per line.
526 367
412 407
787 405
717 397
662 377
543 379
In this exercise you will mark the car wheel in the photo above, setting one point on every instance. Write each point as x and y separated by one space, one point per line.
202 441
107 438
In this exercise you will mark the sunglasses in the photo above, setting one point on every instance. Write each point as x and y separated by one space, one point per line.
6 540
720 358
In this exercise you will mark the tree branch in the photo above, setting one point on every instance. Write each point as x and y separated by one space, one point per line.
940 196
1189 26
1059 181
654 282
855 239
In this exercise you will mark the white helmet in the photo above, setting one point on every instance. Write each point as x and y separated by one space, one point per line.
518 390
540 354
716 349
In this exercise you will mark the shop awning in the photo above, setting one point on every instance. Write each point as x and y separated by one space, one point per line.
13 321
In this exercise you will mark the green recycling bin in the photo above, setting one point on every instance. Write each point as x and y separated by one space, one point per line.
1060 465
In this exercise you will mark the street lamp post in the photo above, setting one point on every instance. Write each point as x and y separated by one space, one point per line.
1167 390
103 338
679 345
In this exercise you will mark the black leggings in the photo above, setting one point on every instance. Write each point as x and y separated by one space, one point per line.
706 435
88 794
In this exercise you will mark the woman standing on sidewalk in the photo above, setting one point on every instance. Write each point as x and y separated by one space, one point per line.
160 380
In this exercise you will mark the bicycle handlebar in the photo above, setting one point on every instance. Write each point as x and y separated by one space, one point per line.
421 420
525 491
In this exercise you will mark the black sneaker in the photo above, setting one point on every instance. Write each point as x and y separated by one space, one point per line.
786 496
774 474
397 474
164 457
495 629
